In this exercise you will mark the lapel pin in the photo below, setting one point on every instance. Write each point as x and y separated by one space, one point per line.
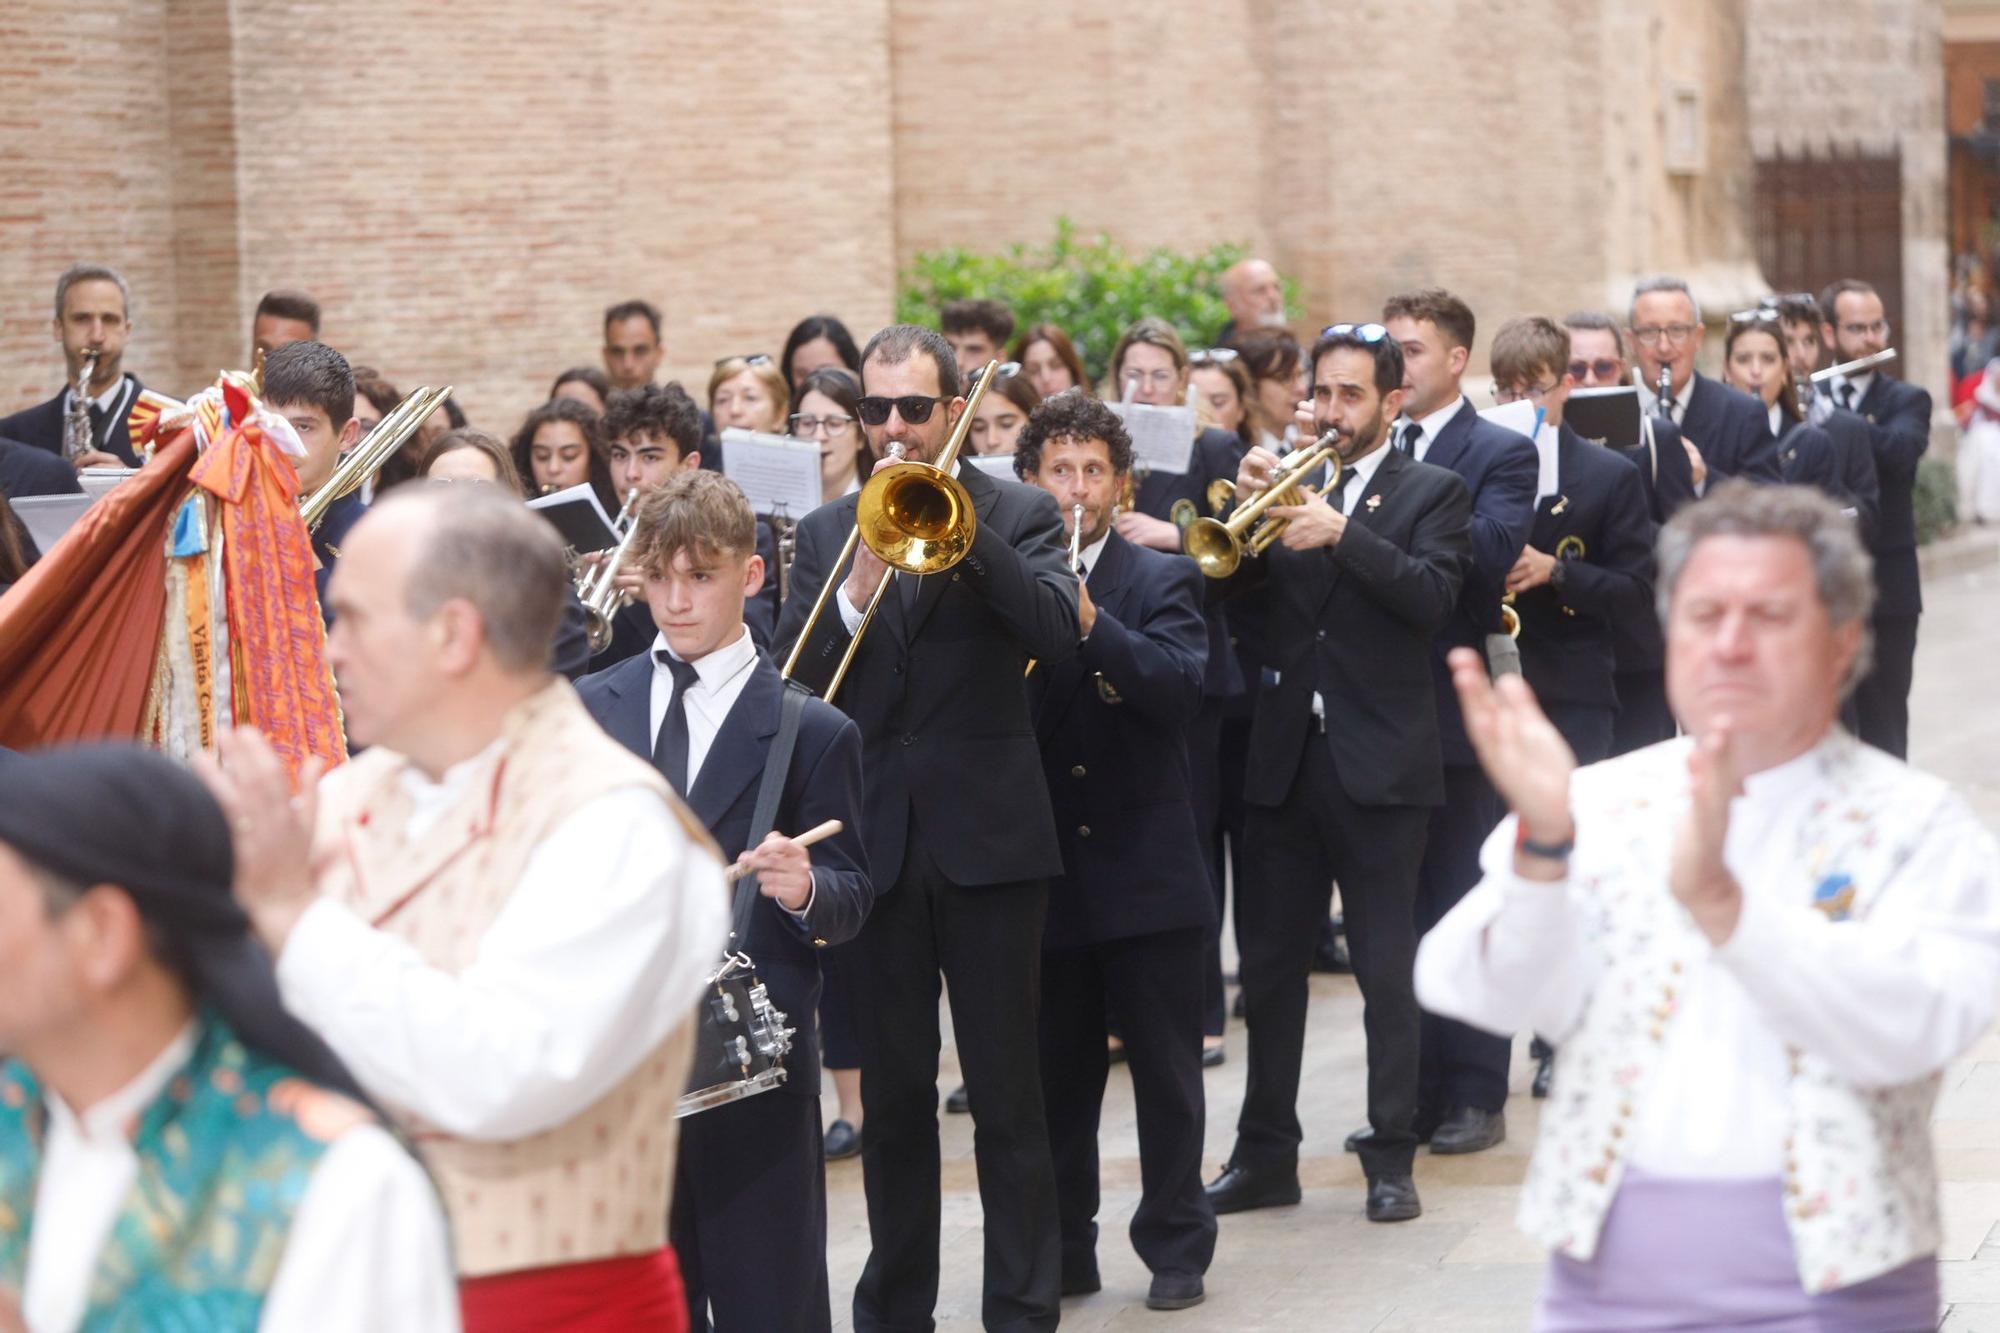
1562 503
1373 503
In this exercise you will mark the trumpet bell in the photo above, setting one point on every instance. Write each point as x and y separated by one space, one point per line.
1510 621
1214 548
916 518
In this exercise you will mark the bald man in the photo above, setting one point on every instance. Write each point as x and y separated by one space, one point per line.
1255 297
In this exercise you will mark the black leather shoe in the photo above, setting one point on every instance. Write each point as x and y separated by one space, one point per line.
1241 1188
957 1102
1175 1291
1393 1199
1211 1056
1081 1284
1545 1071
842 1140
1332 956
1469 1129
1236 1006
1353 1142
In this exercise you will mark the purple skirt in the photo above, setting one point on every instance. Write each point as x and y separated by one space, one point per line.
1715 1254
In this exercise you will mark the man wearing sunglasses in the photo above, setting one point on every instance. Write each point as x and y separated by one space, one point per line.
1463 1089
1729 428
961 844
1898 416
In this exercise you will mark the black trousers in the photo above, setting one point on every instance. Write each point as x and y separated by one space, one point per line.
1226 856
1155 982
748 1221
987 943
839 1029
1588 730
1461 1066
1643 715
1882 699
1297 850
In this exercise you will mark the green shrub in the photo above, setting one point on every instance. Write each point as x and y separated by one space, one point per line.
1093 290
1934 499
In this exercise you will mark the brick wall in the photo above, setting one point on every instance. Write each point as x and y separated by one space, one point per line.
466 186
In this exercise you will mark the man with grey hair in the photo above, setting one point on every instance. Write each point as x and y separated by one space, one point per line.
496 915
92 322
1757 946
1728 429
1255 297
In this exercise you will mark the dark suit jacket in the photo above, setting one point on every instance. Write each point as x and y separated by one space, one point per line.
42 426
1112 726
1664 469
1216 454
1733 432
1355 623
1597 526
340 517
936 689
1499 468
1899 429
824 782
1843 467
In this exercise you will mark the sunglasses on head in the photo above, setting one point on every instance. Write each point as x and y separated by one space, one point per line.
1604 368
1368 333
1212 356
913 408
748 359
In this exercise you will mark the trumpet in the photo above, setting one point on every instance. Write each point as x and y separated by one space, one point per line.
597 587
1075 537
78 437
365 459
915 517
1219 546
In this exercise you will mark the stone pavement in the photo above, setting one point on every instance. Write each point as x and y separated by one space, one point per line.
1463 1266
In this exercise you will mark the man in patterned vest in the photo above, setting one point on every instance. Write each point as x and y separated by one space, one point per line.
176 1150
1757 947
497 915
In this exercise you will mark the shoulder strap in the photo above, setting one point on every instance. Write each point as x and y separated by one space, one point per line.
1652 448
776 765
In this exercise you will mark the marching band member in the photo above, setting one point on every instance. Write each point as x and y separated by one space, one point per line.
93 318
1131 915
1754 360
1462 1093
176 1150
704 705
1758 947
496 916
283 317
961 844
1798 316
1728 430
1343 766
311 385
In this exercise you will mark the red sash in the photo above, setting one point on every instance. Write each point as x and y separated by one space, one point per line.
629 1294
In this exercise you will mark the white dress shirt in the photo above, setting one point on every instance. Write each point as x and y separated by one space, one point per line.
719 678
1362 470
1860 383
1884 1005
1091 554
1776 416
1433 425
367 1248
850 614
599 954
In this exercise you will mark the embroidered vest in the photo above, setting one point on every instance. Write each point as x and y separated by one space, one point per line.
1859 1176
598 1185
225 1154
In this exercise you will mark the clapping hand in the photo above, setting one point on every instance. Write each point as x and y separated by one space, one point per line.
1700 880
270 827
1529 762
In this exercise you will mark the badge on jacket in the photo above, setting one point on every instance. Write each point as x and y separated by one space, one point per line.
1835 897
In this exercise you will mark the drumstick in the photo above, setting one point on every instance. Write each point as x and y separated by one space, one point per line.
812 835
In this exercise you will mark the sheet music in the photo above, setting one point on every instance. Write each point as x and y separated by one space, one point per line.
994 465
48 517
579 517
1162 437
99 481
779 474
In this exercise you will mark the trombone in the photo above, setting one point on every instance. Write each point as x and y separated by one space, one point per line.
915 517
363 461
597 587
1219 546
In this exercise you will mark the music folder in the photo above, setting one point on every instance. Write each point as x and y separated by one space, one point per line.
1605 416
1162 437
579 517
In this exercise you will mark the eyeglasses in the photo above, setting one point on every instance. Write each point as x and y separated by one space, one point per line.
1604 368
1212 356
804 425
748 359
1880 328
1158 378
913 408
1514 394
1651 335
1368 333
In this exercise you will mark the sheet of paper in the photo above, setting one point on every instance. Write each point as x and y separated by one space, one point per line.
579 517
48 517
1162 437
778 473
99 481
994 465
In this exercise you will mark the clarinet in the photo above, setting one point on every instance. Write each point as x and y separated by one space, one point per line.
78 439
1663 393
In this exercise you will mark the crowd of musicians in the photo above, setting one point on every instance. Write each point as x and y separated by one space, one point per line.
1050 759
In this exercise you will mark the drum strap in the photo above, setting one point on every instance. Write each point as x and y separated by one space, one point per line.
765 814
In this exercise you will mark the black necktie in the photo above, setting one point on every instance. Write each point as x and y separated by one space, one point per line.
1847 396
98 415
670 747
1412 432
1339 497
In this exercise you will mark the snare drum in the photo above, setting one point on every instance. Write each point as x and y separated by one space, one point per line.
740 1044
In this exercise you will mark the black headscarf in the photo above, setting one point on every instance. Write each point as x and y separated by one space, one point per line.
120 814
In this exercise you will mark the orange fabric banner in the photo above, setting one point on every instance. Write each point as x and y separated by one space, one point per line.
79 633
